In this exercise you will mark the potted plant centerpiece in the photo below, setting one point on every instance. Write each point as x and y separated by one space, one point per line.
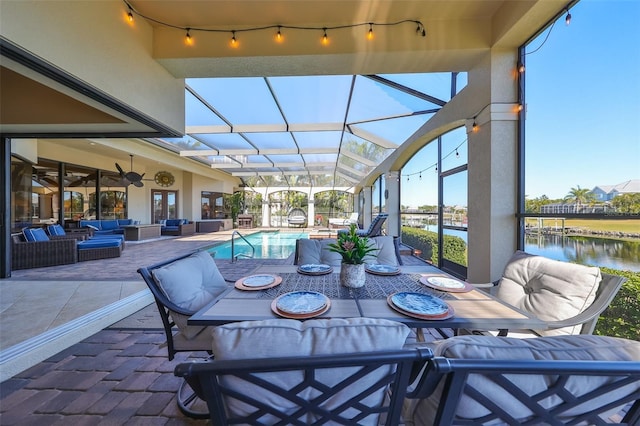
353 250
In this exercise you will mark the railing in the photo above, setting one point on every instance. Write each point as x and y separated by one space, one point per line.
234 256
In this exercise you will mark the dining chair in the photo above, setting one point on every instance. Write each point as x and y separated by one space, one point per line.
325 371
568 297
553 380
181 286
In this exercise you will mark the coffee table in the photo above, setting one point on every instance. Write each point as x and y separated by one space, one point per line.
141 232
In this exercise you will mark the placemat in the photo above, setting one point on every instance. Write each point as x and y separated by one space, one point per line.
375 287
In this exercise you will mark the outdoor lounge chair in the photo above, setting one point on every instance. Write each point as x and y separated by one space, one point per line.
181 286
569 297
336 371
340 222
375 228
556 380
297 217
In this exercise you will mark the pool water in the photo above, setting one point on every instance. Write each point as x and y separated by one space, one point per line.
268 245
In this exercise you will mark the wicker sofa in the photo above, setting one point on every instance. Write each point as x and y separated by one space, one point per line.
178 227
36 254
106 226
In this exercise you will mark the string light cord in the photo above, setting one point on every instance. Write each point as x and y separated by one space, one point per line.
420 28
455 150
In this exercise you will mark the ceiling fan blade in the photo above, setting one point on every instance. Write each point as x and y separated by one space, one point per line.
120 170
133 177
138 184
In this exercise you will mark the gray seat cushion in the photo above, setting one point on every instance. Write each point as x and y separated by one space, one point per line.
292 338
190 283
549 289
578 347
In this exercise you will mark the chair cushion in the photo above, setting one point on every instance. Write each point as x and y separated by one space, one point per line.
124 222
578 347
285 338
550 289
385 251
190 283
110 225
317 252
34 234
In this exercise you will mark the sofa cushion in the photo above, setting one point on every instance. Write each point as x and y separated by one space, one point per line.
35 234
56 229
99 243
93 224
317 252
125 222
576 348
174 222
549 289
190 283
292 338
109 225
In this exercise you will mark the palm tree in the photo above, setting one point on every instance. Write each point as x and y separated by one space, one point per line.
579 196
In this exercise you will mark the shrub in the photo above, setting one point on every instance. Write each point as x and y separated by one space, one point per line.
622 317
454 248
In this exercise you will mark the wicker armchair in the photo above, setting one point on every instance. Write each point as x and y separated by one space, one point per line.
37 254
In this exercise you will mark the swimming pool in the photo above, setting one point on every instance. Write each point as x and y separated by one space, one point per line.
268 245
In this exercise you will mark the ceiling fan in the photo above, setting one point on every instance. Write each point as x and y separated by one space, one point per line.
132 177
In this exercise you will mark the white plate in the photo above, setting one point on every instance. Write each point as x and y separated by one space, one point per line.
314 269
418 303
445 282
258 280
380 269
301 302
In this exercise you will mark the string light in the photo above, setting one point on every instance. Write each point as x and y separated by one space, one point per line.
567 19
187 39
474 126
420 29
457 153
325 37
520 67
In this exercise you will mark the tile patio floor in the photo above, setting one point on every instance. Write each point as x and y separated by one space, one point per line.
119 375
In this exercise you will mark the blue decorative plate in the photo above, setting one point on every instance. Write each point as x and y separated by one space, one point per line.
301 302
314 269
420 304
380 269
258 280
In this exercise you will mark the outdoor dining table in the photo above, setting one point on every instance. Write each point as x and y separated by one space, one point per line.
474 309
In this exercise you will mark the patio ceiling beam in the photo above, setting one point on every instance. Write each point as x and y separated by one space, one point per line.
272 151
351 170
199 152
406 89
265 128
371 137
358 158
347 177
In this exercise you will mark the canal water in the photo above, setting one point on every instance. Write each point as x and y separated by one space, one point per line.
616 254
593 251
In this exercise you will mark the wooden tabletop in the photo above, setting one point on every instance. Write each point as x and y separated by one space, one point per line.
474 309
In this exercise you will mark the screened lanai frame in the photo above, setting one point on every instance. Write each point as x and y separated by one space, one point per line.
306 131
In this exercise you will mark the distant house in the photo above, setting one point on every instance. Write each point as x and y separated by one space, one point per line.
608 192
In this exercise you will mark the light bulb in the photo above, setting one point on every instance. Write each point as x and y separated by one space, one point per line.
520 67
325 37
130 14
567 18
279 37
474 127
234 42
187 39
370 33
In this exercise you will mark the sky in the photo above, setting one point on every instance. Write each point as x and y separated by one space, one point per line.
583 100
582 111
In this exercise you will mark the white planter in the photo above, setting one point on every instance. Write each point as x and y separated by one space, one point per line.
352 275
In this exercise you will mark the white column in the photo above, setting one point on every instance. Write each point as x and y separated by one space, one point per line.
365 215
392 201
493 171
